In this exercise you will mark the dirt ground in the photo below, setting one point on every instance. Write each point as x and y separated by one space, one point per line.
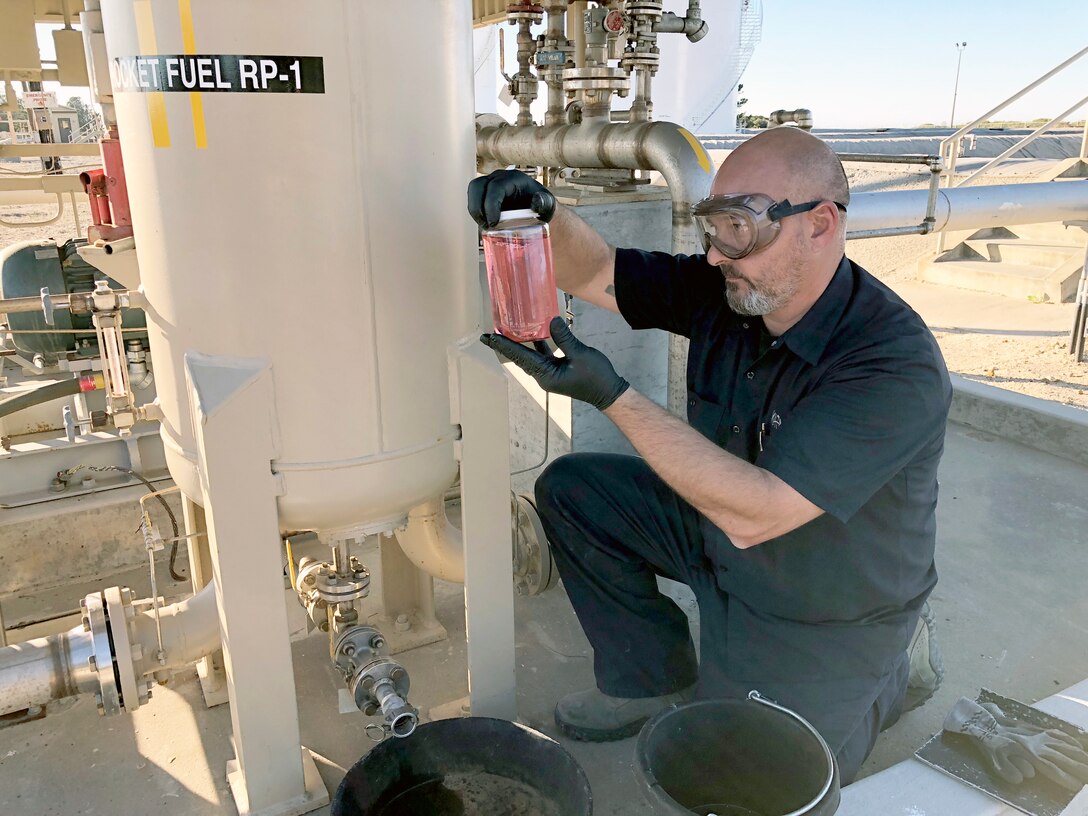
1030 362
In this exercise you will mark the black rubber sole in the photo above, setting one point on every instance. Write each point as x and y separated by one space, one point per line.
599 735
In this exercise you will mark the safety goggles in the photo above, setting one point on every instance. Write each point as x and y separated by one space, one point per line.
739 224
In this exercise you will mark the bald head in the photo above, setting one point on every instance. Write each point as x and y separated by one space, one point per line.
785 162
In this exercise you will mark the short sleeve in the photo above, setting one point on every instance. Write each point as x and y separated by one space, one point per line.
865 422
656 290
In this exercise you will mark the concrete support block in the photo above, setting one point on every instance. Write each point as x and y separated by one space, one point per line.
1060 430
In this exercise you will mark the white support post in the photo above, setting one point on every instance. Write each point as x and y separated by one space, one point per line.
480 408
234 420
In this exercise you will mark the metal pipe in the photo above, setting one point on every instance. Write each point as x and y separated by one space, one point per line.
555 40
692 25
962 208
432 543
802 117
881 158
36 672
31 304
662 146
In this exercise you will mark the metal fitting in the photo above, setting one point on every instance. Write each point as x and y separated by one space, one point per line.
377 683
109 616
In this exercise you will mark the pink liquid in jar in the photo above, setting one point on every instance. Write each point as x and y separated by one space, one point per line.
518 255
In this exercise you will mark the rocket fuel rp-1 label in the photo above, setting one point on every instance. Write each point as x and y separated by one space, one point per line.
223 73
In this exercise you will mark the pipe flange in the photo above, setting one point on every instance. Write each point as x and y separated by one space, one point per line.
382 668
595 79
101 662
534 568
524 11
640 59
645 8
343 587
356 647
382 675
318 578
119 606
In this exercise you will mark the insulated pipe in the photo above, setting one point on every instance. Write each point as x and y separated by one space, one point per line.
432 543
662 146
39 671
963 208
190 631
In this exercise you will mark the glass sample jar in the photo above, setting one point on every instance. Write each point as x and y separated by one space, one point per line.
518 255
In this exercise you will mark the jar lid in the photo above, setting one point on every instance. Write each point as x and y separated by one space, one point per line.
512 215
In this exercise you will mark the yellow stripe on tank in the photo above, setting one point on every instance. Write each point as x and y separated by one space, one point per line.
156 102
196 101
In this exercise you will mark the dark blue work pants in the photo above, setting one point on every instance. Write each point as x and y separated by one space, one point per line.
614 525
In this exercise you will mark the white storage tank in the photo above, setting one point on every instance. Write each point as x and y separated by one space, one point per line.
297 176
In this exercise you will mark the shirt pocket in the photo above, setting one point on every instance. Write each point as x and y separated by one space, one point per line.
705 416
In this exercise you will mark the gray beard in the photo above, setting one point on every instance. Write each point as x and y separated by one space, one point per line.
751 304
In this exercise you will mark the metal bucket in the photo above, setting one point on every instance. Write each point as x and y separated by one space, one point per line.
736 758
464 767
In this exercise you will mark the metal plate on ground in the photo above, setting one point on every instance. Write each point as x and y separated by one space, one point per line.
955 755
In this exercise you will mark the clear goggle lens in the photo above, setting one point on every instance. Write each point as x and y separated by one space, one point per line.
739 224
732 223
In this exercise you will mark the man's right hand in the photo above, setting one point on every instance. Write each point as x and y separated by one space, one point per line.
507 190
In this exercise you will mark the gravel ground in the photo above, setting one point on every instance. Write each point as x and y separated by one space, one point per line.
1033 363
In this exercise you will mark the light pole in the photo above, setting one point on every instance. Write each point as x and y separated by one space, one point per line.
955 90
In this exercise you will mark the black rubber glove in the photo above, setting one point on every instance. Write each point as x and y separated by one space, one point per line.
507 190
1018 751
583 373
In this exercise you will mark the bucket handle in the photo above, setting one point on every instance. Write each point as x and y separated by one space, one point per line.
756 697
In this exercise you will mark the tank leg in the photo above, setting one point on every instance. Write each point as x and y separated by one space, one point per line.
482 412
234 418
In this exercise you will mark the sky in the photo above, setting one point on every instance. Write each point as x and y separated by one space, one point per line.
887 63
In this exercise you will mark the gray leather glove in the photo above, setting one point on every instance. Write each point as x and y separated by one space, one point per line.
1017 750
582 373
507 190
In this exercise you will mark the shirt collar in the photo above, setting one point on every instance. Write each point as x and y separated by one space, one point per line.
809 336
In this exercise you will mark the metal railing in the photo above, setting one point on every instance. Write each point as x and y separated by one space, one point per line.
928 222
950 147
91 131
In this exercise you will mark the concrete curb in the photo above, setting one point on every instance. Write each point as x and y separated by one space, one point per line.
1047 426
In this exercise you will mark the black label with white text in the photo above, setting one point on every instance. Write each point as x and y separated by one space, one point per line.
222 73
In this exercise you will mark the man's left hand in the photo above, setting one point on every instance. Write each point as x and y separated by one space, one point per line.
583 373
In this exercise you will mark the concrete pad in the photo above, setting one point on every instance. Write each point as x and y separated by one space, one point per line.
948 309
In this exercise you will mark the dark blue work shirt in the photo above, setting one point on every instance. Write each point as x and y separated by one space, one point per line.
848 407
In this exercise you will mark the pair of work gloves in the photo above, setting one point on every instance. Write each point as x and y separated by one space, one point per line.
1017 750
582 373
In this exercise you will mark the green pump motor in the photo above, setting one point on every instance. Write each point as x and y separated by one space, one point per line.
28 267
